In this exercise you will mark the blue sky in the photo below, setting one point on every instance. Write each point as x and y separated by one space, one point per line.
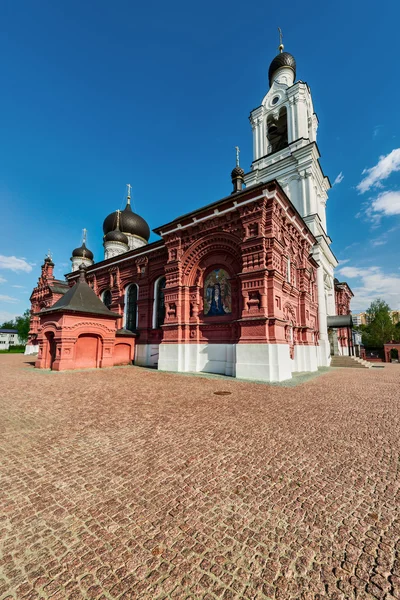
99 94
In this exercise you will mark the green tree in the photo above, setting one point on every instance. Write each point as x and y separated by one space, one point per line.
380 328
22 325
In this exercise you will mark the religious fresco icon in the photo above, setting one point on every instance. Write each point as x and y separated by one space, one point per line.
217 294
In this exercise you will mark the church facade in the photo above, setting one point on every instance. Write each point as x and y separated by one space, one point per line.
241 287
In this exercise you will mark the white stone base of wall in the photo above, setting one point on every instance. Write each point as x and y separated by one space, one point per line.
146 355
31 349
343 350
324 353
264 362
305 359
207 358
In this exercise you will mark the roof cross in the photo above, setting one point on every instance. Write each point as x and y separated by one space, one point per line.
237 155
281 46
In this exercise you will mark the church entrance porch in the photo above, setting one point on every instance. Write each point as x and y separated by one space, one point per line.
48 351
392 352
340 335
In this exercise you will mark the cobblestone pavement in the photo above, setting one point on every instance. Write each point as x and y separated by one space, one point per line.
129 483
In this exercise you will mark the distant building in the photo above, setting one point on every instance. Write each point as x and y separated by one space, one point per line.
9 337
360 318
364 319
395 316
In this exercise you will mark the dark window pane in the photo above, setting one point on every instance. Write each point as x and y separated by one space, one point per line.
160 303
107 298
131 308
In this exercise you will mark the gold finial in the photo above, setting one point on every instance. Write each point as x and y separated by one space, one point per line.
84 236
281 46
128 193
237 155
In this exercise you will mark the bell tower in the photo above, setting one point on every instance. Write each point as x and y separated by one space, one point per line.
284 148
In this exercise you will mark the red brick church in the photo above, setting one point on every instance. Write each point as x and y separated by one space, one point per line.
243 287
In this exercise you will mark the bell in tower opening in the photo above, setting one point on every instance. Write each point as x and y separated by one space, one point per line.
277 131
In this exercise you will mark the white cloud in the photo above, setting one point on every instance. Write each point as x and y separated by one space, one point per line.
14 263
376 131
18 286
386 204
7 316
2 280
343 262
5 298
352 245
372 283
382 239
339 178
375 175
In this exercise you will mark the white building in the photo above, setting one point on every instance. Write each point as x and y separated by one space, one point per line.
9 338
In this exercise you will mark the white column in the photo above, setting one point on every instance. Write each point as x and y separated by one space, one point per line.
292 105
304 207
259 137
311 200
289 123
254 129
301 118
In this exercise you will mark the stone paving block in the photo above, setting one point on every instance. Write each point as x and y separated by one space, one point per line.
129 483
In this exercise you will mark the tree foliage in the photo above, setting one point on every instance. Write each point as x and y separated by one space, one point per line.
22 325
380 328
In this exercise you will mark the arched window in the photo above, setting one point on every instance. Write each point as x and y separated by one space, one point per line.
107 298
131 297
159 303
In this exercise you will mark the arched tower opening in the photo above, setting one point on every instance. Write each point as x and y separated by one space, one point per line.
277 131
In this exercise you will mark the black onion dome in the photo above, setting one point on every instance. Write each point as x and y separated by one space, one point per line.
130 223
116 236
237 172
82 252
284 59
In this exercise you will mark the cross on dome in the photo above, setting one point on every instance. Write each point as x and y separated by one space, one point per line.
281 46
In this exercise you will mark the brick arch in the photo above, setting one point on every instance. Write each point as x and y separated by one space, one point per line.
50 326
219 249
